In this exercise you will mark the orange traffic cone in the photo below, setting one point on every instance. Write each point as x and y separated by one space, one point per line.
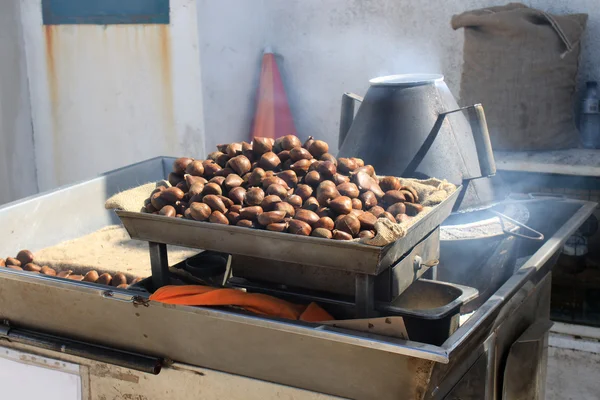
273 117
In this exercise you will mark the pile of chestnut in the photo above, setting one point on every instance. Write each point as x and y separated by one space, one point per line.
24 261
284 186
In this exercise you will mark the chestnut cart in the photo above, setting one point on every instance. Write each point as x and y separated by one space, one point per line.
497 353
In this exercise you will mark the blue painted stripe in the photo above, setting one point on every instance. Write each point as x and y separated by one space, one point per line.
102 12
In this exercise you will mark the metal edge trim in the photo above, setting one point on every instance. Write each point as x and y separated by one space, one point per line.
276 235
250 232
63 188
374 342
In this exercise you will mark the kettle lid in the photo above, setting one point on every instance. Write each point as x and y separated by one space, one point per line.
406 79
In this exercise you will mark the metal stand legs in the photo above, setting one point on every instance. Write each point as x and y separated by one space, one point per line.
364 295
159 264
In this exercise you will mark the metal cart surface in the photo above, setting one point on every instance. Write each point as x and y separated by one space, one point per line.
489 357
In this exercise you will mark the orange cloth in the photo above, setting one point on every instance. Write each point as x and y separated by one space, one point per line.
273 117
197 295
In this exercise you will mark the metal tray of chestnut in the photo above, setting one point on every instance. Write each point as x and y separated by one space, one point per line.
298 198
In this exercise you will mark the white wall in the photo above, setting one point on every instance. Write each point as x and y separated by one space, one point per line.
17 154
232 37
337 45
107 96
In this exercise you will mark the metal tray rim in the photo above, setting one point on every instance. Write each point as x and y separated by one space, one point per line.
342 255
279 235
250 231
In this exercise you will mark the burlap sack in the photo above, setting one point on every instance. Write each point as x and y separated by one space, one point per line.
521 64
431 192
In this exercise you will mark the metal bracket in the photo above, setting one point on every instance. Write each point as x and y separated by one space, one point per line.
126 298
364 295
159 264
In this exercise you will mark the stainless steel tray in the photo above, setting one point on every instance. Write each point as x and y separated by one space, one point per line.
327 253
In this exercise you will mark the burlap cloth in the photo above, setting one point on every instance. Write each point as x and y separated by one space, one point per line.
521 64
107 250
431 193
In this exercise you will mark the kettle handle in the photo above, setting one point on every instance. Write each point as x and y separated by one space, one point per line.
347 115
481 136
483 144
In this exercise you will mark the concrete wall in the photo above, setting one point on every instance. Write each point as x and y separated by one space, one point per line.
103 97
334 46
17 154
232 36
107 96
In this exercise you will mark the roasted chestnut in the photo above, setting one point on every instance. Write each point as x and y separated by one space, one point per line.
341 235
341 205
307 216
168 211
388 183
262 145
268 203
240 164
322 233
217 217
254 196
346 165
25 257
294 200
298 227
324 222
392 197
349 224
251 212
237 195
348 189
289 210
271 217
304 191
180 165
200 211
299 153
212 188
397 208
317 148
367 221
269 161
278 227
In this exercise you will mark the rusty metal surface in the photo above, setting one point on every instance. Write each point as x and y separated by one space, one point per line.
101 381
98 97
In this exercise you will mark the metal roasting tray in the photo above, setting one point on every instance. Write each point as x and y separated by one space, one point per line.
327 253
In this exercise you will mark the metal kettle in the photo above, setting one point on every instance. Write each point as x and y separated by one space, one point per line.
411 126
